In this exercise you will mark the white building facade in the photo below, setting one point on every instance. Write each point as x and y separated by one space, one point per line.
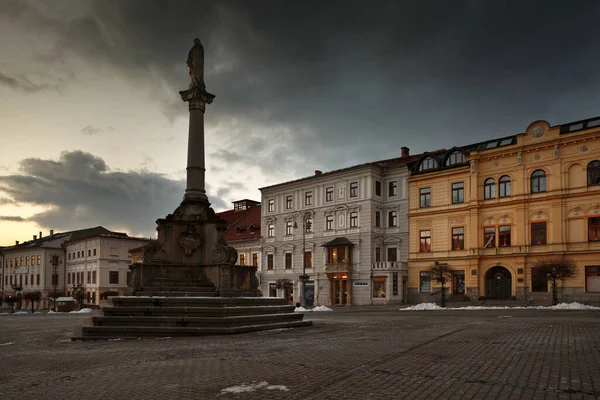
352 227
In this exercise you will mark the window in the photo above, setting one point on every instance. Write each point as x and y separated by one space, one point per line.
425 194
68 279
354 189
21 261
539 280
113 277
489 189
255 259
89 277
593 173
329 194
504 236
270 262
425 282
392 254
458 238
489 237
89 252
427 163
26 260
504 186
377 188
308 199
288 227
37 279
242 259
329 223
379 286
377 253
458 193
538 233
594 229
270 230
288 260
288 202
54 279
425 241
26 280
271 205
353 219
308 259
592 279
93 276
94 251
392 219
378 219
538 181
69 256
392 188
456 157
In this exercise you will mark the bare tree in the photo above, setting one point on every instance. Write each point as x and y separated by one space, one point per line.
286 285
33 297
442 274
556 268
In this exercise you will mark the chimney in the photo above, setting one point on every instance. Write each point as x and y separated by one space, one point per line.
405 151
40 235
34 237
16 242
51 232
317 172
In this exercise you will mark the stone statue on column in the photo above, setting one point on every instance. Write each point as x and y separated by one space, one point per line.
195 62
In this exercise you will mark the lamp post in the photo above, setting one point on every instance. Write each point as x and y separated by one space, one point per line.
54 277
306 224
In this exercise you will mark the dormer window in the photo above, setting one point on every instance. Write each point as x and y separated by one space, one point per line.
456 157
252 228
428 163
238 230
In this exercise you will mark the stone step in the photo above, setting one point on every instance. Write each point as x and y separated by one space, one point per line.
132 332
179 294
196 311
174 321
175 288
170 284
155 301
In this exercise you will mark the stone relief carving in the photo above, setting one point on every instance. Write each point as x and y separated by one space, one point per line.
190 212
154 254
189 240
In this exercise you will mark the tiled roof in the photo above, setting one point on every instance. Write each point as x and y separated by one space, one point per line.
242 219
57 239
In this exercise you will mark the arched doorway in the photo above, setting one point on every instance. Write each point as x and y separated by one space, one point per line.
498 281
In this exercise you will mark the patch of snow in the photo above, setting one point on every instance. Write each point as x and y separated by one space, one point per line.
82 311
51 312
6 344
573 306
300 309
423 306
21 312
253 387
322 308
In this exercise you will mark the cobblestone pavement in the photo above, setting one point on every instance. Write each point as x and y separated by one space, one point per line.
356 353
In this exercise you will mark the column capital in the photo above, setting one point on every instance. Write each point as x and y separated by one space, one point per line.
197 97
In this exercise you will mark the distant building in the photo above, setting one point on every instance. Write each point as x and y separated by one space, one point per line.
244 231
347 228
99 264
490 210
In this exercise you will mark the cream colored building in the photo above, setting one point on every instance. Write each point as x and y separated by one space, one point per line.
99 263
491 209
351 226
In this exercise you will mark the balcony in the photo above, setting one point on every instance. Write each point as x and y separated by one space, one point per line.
390 265
338 267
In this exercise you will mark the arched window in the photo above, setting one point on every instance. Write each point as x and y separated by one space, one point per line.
427 163
538 181
456 157
489 188
504 186
593 173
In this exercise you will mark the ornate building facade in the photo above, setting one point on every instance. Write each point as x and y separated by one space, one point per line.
344 231
490 210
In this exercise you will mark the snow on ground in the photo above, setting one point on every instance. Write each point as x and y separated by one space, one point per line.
317 308
300 309
253 387
82 311
560 306
6 344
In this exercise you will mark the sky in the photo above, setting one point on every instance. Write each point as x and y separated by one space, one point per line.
94 132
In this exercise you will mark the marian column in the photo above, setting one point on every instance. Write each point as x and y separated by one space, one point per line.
197 98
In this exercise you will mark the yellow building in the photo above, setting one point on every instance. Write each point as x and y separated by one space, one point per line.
491 209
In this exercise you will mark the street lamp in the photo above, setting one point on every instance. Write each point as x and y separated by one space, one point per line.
55 277
306 225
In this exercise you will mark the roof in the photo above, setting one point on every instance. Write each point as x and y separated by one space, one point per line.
339 241
390 162
239 223
56 240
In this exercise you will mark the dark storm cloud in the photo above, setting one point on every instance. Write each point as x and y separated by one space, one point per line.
25 84
94 130
12 218
334 83
81 191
